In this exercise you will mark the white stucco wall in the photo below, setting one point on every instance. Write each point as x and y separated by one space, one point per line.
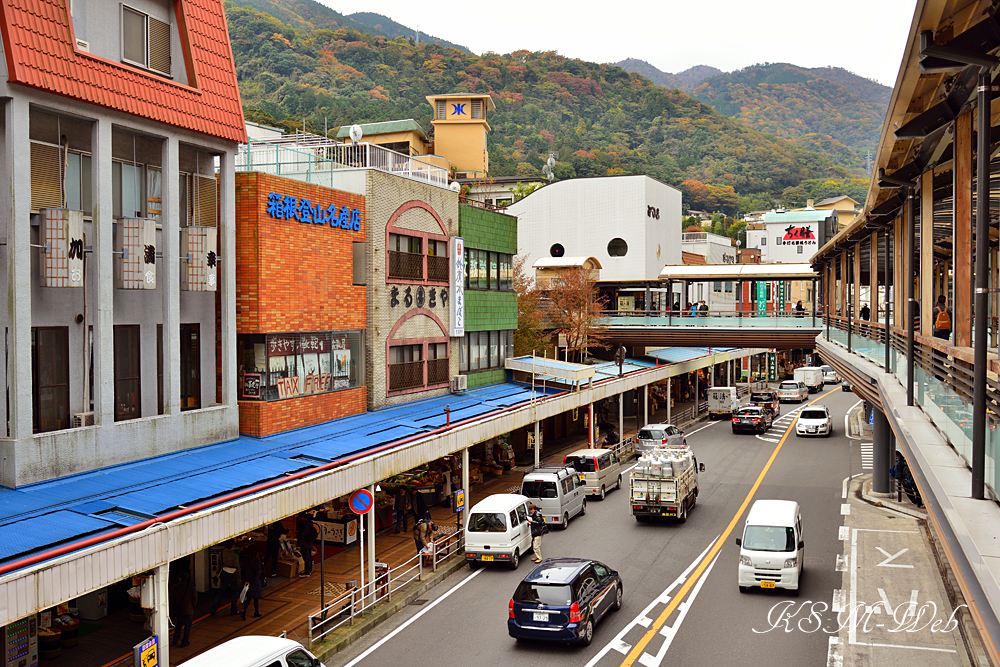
585 214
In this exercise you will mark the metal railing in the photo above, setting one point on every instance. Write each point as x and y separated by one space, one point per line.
406 375
437 268
712 318
317 163
406 265
347 607
437 371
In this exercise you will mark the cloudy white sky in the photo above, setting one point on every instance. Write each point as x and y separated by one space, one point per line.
863 36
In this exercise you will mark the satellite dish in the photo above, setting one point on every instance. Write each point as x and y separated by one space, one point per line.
455 186
356 133
551 162
545 168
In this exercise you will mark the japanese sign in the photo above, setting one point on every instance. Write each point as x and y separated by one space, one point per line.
146 653
457 301
287 207
761 296
459 500
781 296
772 366
798 236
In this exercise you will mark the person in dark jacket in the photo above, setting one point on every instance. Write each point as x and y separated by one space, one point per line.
253 575
273 547
538 529
420 507
305 533
400 506
183 598
799 309
229 578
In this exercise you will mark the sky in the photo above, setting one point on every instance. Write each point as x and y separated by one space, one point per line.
863 36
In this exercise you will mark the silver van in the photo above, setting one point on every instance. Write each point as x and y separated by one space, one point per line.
557 492
601 469
656 435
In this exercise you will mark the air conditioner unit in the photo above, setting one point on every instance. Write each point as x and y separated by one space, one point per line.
83 419
460 383
83 45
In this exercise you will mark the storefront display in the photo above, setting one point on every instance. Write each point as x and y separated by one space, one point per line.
281 366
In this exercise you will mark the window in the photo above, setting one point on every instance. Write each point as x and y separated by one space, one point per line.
145 41
539 489
494 349
128 400
799 249
477 108
405 258
190 367
437 261
198 200
501 203
126 188
763 240
440 109
483 350
159 369
553 595
299 658
406 367
777 240
617 247
769 538
50 379
488 270
463 354
717 286
487 522
522 513
513 518
729 286
288 365
482 274
494 271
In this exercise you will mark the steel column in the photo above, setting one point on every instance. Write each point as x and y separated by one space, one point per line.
982 286
907 272
882 454
888 263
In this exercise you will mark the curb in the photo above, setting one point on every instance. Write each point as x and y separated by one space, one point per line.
343 637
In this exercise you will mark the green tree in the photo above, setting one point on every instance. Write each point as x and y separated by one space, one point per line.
530 336
521 190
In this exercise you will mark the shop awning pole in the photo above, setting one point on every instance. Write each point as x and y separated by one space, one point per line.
371 542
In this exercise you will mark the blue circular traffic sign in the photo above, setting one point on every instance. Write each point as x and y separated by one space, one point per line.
361 501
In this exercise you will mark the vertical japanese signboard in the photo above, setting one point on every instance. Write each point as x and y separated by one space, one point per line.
781 305
456 305
761 296
772 366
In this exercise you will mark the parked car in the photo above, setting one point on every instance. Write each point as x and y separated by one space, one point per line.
829 375
792 390
562 599
497 530
766 398
752 418
557 492
845 385
653 435
601 469
814 420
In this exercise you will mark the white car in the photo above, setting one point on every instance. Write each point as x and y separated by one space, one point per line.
829 375
657 435
791 390
814 420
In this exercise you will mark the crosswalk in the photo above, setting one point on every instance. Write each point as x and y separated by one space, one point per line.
867 455
779 426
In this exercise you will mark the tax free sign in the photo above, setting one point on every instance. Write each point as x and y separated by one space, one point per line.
287 207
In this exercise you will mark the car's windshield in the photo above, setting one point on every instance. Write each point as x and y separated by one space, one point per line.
580 464
648 434
487 522
769 538
813 414
826 369
788 385
547 594
761 397
749 412
539 489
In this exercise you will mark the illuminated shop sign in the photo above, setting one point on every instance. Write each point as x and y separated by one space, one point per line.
287 207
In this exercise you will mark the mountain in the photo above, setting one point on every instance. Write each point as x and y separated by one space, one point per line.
310 15
393 29
685 80
810 107
600 119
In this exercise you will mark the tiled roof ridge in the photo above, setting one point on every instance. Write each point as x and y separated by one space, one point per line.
41 54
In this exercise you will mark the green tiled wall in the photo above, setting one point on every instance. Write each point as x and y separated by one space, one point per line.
487 230
477 379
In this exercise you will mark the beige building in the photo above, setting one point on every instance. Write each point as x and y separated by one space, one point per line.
843 205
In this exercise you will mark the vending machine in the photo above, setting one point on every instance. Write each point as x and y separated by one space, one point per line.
20 643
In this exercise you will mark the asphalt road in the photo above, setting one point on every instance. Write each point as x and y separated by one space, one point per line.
682 605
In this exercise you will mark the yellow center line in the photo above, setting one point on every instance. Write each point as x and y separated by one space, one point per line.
655 626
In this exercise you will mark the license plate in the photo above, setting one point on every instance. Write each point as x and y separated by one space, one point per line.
668 514
811 430
487 559
542 616
767 584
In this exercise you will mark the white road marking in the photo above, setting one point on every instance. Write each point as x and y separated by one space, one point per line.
409 622
842 563
839 597
891 557
845 509
844 533
663 598
833 657
845 483
644 621
702 428
867 455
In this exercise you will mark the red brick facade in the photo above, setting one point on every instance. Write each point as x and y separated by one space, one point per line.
294 276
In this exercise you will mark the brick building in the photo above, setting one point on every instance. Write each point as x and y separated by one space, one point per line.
300 305
490 302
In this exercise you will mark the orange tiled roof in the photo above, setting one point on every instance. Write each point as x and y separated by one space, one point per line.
691 258
40 50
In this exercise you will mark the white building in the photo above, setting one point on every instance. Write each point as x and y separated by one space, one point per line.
791 237
630 224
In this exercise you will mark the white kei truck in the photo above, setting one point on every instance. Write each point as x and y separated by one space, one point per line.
664 483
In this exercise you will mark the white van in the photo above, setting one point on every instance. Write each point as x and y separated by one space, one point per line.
497 530
811 377
601 468
256 651
771 549
722 401
557 492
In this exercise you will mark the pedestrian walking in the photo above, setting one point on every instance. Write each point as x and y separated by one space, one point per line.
253 575
400 507
273 547
229 578
942 319
183 598
306 534
538 529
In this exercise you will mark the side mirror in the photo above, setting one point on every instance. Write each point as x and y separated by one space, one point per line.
802 545
739 542
701 467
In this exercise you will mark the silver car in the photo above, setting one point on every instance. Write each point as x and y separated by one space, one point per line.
791 390
829 375
653 435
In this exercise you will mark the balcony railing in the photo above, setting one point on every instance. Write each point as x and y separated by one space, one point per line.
406 375
437 371
437 269
407 265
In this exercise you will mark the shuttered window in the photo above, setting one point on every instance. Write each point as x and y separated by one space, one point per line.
159 46
477 108
145 41
46 176
206 201
440 110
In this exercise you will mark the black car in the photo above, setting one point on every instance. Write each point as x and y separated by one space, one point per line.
562 600
754 418
846 386
767 398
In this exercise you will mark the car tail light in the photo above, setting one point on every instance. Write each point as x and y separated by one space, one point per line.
637 507
510 608
574 612
756 419
735 419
